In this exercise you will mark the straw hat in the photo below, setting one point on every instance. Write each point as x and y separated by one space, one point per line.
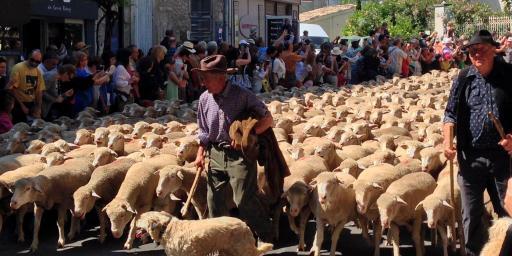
336 51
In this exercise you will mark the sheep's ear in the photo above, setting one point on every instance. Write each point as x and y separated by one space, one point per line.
165 139
400 200
94 194
180 175
130 209
447 204
154 225
419 206
313 183
113 153
377 185
174 198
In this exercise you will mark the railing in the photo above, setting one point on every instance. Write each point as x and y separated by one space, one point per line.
500 25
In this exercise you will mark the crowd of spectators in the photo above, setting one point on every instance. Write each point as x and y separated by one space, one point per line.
50 84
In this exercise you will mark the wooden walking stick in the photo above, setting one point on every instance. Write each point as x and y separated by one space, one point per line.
456 211
184 210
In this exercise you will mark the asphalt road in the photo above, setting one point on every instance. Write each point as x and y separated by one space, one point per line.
350 242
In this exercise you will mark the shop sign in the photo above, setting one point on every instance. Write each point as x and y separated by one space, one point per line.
248 23
76 9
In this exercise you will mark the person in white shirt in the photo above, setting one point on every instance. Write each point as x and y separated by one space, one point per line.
122 80
48 69
396 57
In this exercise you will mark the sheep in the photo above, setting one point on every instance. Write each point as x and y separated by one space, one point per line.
53 186
432 160
201 237
349 166
150 140
11 162
139 129
35 147
7 181
101 137
370 184
84 137
101 189
379 157
135 196
297 193
409 148
397 207
332 202
158 129
103 156
174 178
349 138
328 152
187 149
355 152
394 130
497 234
439 209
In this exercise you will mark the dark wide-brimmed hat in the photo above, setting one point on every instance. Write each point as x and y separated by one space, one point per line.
214 63
482 37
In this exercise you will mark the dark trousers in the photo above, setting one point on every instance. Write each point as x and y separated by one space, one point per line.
229 167
17 114
480 170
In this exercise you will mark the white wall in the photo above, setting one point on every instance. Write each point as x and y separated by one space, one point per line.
332 24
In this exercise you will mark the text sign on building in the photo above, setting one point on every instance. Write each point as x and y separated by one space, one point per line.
77 9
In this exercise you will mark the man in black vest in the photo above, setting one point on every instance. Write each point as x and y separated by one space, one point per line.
483 157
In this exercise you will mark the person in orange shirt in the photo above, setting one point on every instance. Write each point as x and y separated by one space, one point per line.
290 59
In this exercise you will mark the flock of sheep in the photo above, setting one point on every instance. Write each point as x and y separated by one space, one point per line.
372 155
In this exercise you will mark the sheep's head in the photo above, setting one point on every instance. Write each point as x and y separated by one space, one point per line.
55 158
296 152
334 134
139 129
325 150
366 194
387 142
84 137
411 148
430 158
116 142
154 223
349 138
50 148
101 137
35 147
187 149
171 180
326 184
84 199
103 156
298 196
120 213
435 209
25 191
389 207
154 140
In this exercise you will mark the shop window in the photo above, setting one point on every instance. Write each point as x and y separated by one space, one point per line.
65 33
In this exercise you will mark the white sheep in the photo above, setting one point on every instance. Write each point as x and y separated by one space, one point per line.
53 186
333 203
174 178
201 237
101 189
134 198
397 207
497 234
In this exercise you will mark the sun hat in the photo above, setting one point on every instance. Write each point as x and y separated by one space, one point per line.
482 37
80 46
244 42
214 63
336 51
189 46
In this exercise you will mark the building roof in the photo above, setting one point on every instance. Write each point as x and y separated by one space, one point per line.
309 15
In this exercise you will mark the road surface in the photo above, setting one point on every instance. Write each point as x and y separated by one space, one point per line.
350 242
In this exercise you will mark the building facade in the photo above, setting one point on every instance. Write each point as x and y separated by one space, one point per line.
35 24
221 20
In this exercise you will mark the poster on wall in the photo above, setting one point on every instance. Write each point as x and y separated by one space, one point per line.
274 25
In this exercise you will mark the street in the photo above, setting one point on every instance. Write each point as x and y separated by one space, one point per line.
350 242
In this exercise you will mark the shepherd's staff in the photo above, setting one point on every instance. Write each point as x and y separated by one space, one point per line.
184 210
456 210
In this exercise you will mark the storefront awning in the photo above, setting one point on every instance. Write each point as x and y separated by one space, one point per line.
14 12
73 9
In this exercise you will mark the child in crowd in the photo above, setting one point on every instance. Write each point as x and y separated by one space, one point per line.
6 106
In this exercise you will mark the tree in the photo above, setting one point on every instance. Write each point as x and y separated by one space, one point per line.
110 15
405 18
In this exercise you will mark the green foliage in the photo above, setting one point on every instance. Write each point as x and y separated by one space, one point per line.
406 18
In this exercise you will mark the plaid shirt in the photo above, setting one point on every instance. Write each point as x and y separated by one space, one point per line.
216 112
